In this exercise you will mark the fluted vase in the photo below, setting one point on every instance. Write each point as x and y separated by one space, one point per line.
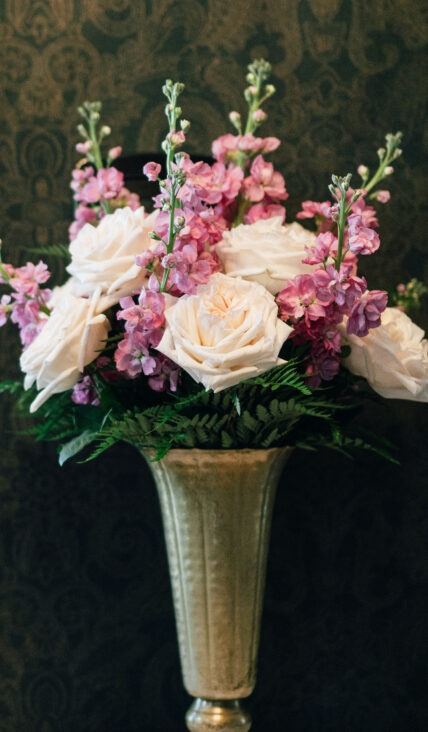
217 508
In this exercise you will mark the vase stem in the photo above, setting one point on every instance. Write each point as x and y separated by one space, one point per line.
208 716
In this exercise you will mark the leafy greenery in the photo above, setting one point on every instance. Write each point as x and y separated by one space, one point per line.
55 250
270 410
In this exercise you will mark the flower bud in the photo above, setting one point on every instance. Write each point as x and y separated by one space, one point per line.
389 170
105 130
259 116
115 152
381 153
82 131
153 235
363 171
83 147
180 221
269 90
185 125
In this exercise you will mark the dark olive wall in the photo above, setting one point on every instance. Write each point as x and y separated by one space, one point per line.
87 640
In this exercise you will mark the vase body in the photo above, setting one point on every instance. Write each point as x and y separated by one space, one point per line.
217 507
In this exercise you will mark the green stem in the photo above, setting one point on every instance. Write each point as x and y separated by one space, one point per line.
98 160
243 205
341 227
251 124
172 118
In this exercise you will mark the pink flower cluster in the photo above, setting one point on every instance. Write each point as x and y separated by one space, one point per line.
143 332
316 303
323 212
92 190
208 203
264 186
27 305
226 147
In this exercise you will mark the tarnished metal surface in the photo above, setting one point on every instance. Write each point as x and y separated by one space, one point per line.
217 508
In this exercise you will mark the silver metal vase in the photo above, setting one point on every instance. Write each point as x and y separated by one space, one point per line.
217 507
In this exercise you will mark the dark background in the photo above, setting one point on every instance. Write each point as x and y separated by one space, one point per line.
87 641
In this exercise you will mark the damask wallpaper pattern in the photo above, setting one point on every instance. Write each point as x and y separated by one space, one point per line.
87 640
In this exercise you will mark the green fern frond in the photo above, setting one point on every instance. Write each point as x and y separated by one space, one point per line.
55 250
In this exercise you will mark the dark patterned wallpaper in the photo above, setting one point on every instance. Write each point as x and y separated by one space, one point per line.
87 640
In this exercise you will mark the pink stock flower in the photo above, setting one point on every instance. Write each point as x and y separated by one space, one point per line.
300 299
126 198
152 170
314 209
227 180
361 239
210 184
318 252
83 215
110 182
84 392
260 211
25 278
367 213
79 178
383 196
322 367
30 331
176 138
146 258
346 287
189 268
4 302
147 315
165 374
225 147
366 313
263 180
90 189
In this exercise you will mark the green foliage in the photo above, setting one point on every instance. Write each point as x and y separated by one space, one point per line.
274 409
55 250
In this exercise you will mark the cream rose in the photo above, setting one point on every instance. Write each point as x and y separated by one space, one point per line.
266 252
103 256
228 331
393 357
72 338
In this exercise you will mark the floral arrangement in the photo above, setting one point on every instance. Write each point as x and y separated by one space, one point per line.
210 322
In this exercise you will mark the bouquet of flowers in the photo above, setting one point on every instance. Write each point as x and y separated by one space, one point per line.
210 322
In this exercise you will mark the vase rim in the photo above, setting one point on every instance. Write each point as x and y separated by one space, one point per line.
220 451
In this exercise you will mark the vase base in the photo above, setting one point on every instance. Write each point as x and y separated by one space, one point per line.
217 716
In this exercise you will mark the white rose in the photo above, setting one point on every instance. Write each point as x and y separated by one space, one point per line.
228 331
103 256
266 252
72 338
393 357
